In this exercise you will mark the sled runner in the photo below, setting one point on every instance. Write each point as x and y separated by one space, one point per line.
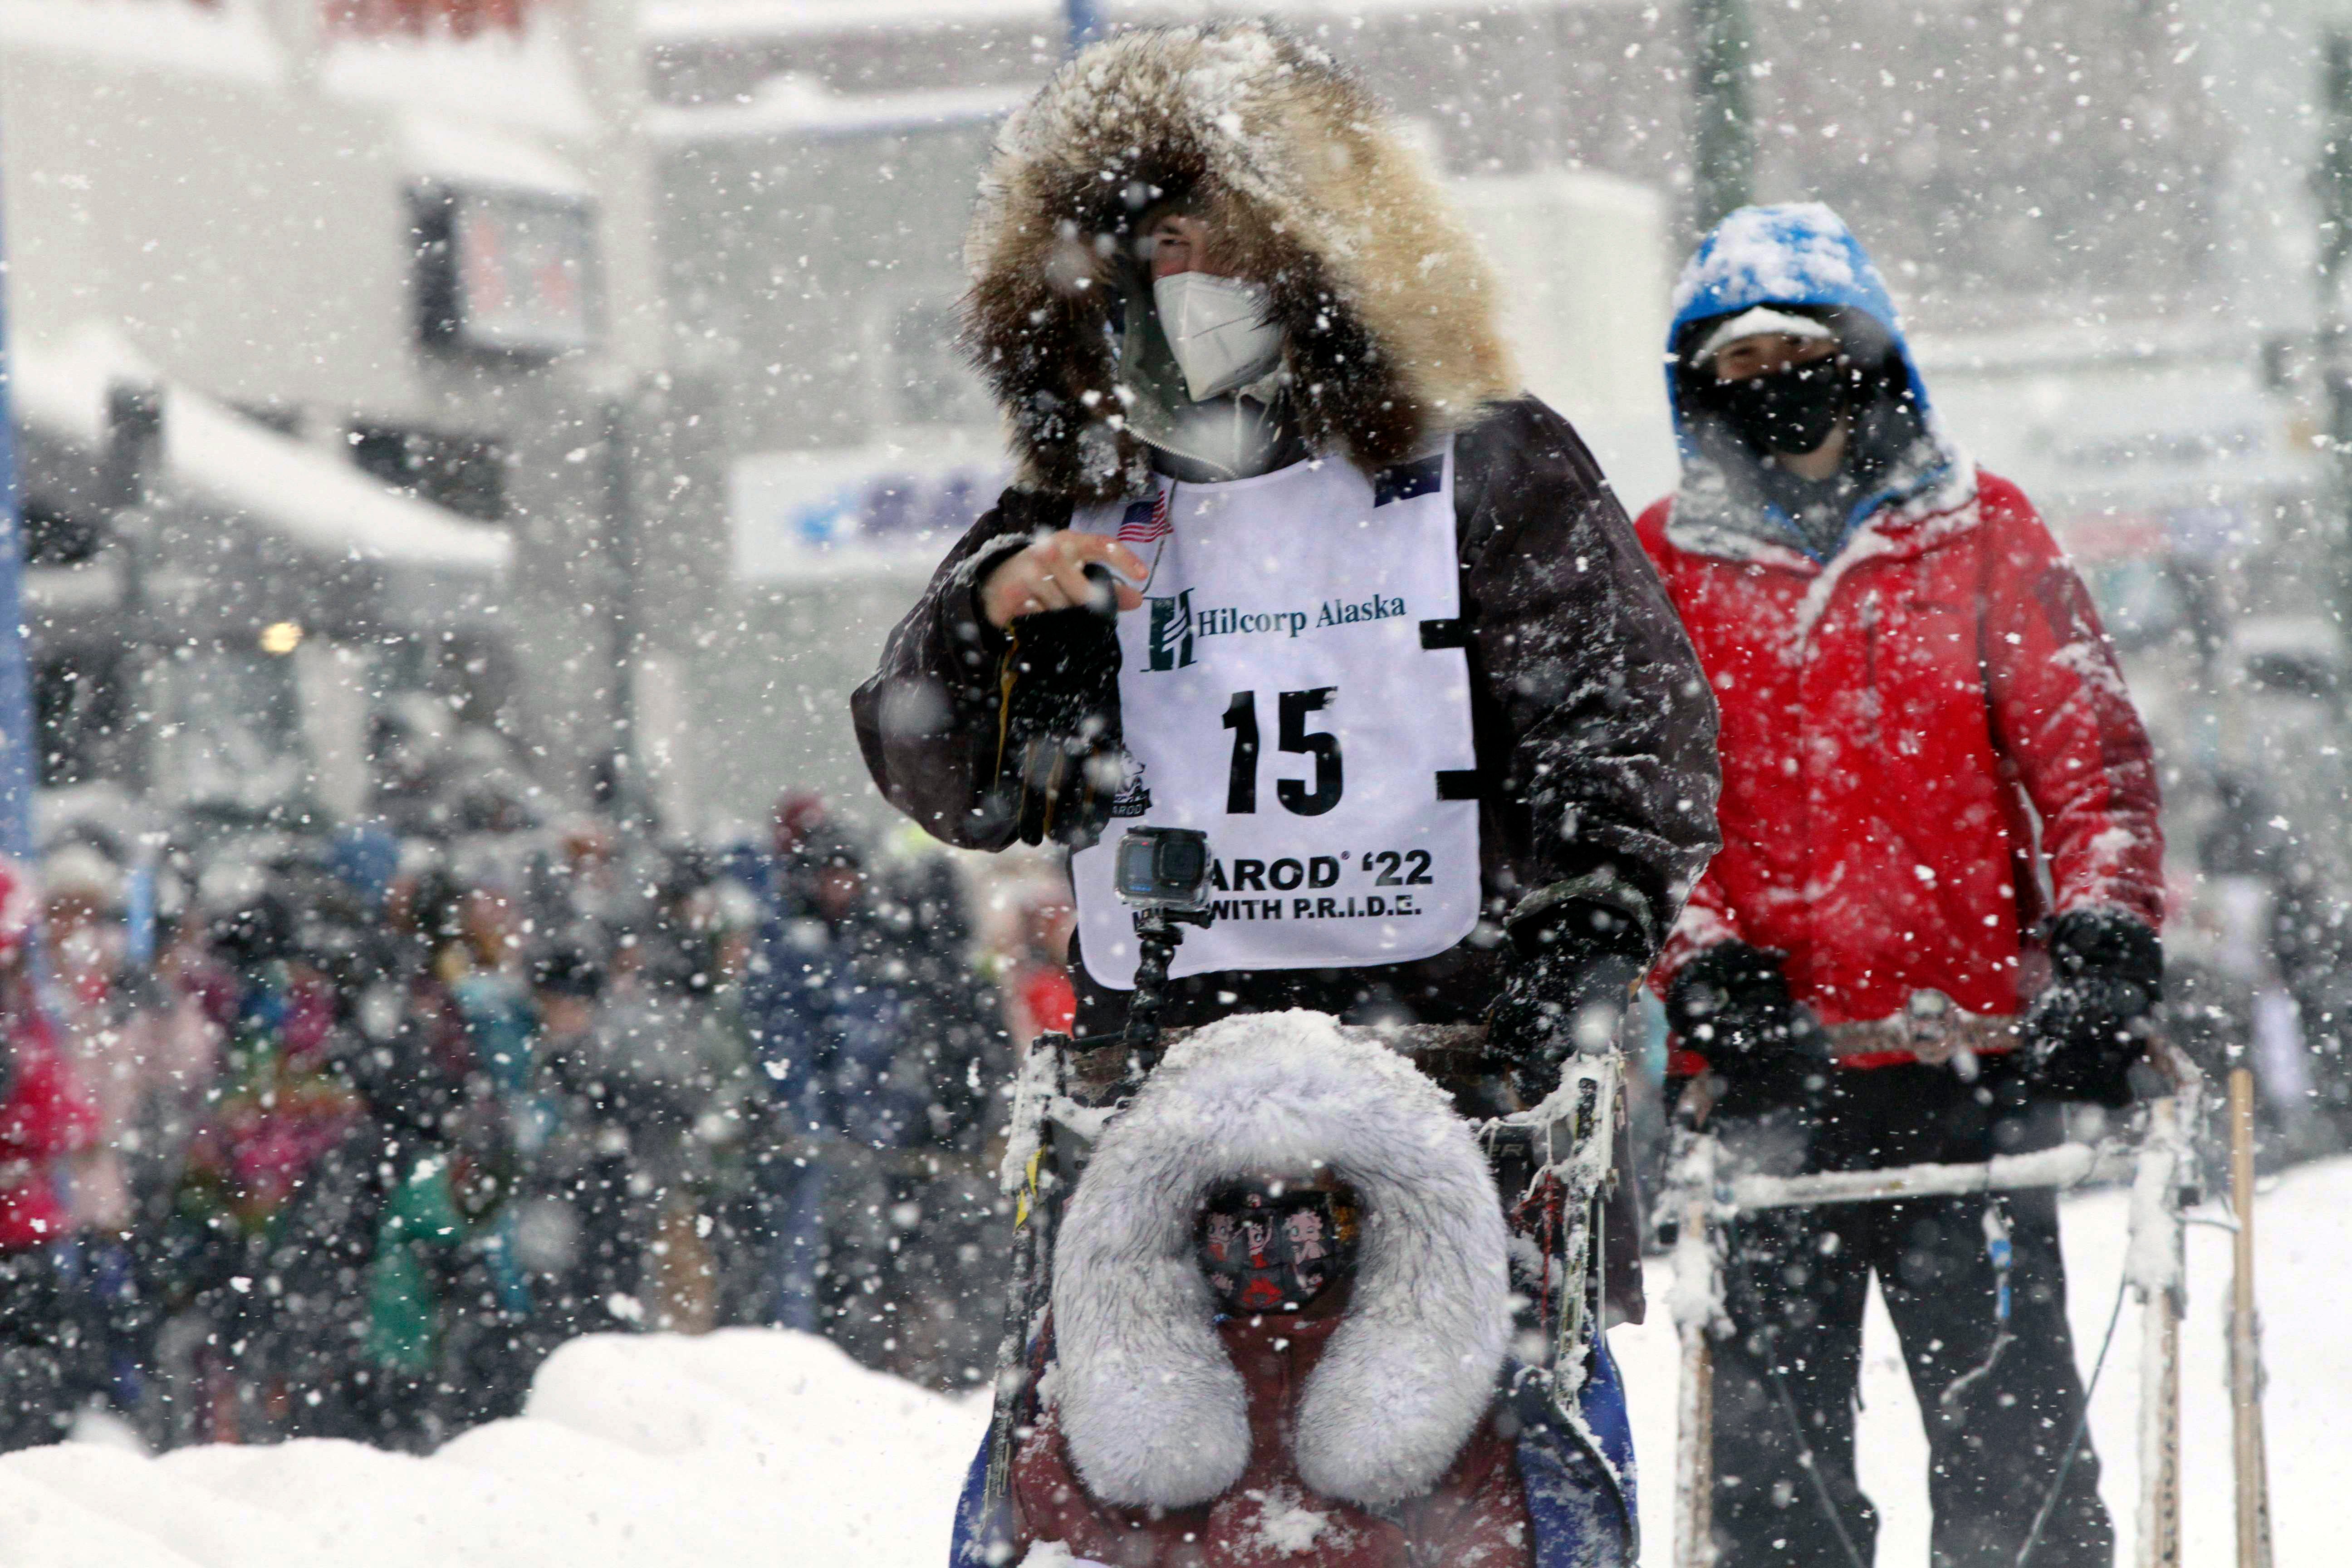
1704 1197
1557 1394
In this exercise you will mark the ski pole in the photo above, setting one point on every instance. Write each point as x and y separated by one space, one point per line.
1028 1179
1697 1308
2154 1271
2250 1462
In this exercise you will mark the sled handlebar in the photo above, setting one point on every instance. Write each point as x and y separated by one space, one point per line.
2067 1165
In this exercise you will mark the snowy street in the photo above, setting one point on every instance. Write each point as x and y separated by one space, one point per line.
661 659
2304 1254
756 1447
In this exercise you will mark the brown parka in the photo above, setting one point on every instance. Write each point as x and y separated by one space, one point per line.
1593 725
1594 730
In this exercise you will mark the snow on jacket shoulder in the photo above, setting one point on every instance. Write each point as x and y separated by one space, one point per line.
1887 719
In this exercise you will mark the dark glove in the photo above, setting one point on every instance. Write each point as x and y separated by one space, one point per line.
2084 1031
1575 955
1061 760
1731 1004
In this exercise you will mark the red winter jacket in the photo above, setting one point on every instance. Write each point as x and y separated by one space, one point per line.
1475 1516
46 1116
1893 725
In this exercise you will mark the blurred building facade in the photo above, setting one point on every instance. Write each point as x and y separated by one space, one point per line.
648 306
345 403
2097 215
2058 174
565 396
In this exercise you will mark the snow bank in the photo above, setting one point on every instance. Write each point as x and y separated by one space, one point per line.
651 1452
532 81
730 21
791 104
771 1448
231 42
299 492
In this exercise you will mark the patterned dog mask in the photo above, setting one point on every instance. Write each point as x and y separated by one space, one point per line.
1272 1247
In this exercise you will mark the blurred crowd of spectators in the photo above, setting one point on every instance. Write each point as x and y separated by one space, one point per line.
341 1134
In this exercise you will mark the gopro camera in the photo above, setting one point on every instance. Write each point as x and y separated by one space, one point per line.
1163 869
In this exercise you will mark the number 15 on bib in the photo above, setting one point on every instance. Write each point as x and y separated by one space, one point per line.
1296 685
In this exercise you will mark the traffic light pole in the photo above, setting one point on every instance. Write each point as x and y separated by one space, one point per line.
2332 188
16 738
1723 126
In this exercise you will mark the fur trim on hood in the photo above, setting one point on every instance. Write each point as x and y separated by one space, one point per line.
1387 305
1152 1405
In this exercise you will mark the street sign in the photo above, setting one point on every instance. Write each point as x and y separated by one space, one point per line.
507 271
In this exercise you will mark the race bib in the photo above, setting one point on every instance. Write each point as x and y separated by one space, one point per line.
1296 685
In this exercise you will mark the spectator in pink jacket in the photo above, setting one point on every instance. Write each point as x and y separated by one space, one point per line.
44 1118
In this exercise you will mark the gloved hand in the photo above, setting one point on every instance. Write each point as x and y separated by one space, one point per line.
1731 1004
2092 1022
1574 958
1060 765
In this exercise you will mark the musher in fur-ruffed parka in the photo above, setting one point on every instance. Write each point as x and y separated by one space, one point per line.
1551 752
1370 1426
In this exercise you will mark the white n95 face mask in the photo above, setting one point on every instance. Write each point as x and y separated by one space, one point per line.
1216 328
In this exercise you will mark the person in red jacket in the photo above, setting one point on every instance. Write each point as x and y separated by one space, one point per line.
44 1117
1934 919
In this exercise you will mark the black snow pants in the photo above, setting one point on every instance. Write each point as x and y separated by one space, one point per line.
1999 1400
36 1396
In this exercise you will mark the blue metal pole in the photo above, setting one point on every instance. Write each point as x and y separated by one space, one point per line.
15 689
16 739
1085 20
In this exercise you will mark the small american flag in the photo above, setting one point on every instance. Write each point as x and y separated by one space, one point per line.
1146 523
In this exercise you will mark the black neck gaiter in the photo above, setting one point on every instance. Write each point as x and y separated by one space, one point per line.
1789 410
1819 508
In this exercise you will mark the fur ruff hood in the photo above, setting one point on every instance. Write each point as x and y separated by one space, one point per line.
1152 1408
1387 305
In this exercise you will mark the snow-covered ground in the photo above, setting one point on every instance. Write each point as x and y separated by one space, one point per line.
2302 1267
744 1448
748 1448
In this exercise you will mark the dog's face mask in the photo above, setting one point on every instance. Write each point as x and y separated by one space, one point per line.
1276 1247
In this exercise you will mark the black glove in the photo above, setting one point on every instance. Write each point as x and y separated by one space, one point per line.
1575 955
1731 1004
1061 760
2084 1031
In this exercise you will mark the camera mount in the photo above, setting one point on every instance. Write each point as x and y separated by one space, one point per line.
1163 872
